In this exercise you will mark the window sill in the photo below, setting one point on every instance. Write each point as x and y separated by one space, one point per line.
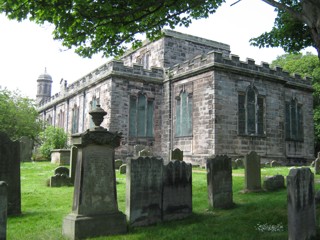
253 135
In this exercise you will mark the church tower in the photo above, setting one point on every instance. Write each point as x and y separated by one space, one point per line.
44 84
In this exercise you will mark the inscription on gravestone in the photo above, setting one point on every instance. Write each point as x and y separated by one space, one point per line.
301 204
177 190
10 172
144 190
219 182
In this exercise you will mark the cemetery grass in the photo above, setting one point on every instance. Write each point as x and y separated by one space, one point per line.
260 215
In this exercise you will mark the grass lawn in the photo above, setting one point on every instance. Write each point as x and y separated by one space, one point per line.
44 208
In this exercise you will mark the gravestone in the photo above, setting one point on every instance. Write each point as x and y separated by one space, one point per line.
144 191
137 149
301 204
10 172
177 154
95 208
177 190
239 163
118 163
219 182
275 163
60 178
273 183
317 165
252 172
26 146
3 210
123 169
73 162
145 153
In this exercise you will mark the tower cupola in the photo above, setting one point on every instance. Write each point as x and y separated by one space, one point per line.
44 85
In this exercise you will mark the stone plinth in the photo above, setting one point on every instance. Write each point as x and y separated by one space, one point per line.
95 209
3 210
60 156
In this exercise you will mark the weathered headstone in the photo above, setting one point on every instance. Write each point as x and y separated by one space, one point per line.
317 165
123 169
177 190
26 146
275 163
239 163
10 172
60 178
3 210
118 163
145 153
219 182
144 191
73 162
95 209
273 183
137 149
177 154
252 172
301 204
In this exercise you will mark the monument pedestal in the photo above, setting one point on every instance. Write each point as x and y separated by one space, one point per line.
77 226
95 208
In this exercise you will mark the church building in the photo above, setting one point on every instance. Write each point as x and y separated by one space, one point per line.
190 93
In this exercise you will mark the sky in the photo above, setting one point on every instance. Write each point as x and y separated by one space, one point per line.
27 49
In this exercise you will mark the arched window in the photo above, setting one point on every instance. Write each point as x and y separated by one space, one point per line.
251 112
61 119
183 114
141 116
75 119
294 121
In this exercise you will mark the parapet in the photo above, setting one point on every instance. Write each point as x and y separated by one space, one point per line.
233 63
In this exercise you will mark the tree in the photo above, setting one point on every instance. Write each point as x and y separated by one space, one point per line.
296 26
52 138
18 115
305 65
109 26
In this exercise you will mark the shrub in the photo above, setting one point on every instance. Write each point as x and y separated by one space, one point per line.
52 138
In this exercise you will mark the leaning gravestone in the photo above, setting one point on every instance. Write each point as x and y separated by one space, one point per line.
95 209
177 154
273 183
301 204
144 191
3 210
252 172
26 146
10 172
317 164
219 182
177 190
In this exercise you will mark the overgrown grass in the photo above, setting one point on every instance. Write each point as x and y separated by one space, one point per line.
255 216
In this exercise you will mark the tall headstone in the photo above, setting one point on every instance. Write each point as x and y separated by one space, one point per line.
177 190
95 208
3 210
317 164
10 172
219 182
73 162
252 172
144 191
177 154
301 204
26 146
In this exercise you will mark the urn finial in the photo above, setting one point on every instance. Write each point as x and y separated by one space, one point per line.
97 115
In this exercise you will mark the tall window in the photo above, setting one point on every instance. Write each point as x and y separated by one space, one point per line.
141 116
61 119
184 114
75 119
294 121
49 120
251 112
